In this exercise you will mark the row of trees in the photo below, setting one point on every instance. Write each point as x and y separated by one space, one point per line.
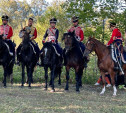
95 15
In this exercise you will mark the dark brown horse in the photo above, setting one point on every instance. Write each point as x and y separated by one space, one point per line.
73 58
105 62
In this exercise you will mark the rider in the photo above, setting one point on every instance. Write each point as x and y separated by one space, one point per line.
33 35
116 34
116 38
78 32
53 33
7 33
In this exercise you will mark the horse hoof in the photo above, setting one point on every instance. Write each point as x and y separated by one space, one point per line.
45 89
12 83
50 84
29 87
22 86
59 84
53 90
66 89
101 93
5 86
80 86
78 91
114 94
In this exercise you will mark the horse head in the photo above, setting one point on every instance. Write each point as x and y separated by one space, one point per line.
25 38
90 46
69 40
48 52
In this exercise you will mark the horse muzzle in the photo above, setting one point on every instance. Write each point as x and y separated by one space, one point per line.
46 61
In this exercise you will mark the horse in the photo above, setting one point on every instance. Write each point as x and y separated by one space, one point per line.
6 60
27 57
105 62
73 58
50 59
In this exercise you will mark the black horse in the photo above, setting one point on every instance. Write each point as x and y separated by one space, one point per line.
6 60
73 58
50 59
27 57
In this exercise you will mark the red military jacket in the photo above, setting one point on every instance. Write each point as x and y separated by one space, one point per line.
117 34
6 30
32 30
78 31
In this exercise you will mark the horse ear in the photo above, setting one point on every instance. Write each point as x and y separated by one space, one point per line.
89 37
64 36
73 33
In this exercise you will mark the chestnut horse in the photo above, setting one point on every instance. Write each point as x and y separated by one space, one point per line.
105 62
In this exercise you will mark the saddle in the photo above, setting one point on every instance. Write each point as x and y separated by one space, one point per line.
118 53
31 44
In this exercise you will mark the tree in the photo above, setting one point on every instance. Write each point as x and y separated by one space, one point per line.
16 10
38 7
94 13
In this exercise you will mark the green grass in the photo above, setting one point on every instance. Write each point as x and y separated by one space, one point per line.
23 100
15 99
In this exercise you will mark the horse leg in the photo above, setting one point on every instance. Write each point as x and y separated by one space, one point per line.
10 73
23 74
80 77
11 78
29 77
46 77
67 78
52 78
112 74
103 80
59 82
77 82
5 75
32 75
50 82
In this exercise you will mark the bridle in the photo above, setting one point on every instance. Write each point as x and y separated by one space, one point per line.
90 50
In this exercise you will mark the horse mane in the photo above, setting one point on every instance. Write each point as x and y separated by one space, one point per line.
97 42
47 44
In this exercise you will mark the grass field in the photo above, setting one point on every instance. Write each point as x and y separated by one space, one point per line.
15 99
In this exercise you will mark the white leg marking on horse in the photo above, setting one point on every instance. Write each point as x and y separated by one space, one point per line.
103 90
45 51
115 90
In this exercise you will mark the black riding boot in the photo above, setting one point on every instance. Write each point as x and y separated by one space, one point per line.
116 67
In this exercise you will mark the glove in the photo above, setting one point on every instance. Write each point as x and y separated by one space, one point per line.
43 41
78 38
